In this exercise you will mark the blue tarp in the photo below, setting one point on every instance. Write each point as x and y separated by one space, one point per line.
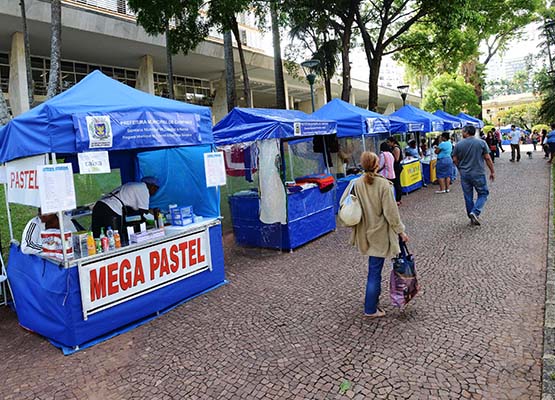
104 114
411 113
243 125
401 125
352 120
471 120
450 121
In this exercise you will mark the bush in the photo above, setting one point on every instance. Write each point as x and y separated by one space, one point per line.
539 128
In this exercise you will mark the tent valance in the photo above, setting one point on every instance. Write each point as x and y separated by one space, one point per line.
431 122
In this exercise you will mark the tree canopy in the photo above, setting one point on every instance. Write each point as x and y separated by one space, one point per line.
460 95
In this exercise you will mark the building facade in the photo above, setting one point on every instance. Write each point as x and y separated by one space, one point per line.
103 35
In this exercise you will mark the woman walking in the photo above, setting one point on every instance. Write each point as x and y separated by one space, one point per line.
387 162
378 233
444 166
397 167
491 140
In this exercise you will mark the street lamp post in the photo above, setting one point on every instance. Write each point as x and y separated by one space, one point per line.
403 90
309 69
443 98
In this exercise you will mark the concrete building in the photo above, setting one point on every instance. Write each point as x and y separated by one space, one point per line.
102 34
504 103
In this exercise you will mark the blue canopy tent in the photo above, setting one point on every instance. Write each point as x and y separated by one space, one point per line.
471 120
268 215
402 125
431 122
144 135
451 122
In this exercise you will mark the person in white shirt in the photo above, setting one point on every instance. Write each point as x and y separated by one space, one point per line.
31 242
111 209
515 136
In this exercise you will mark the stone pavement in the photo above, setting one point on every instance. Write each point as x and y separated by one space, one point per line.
291 325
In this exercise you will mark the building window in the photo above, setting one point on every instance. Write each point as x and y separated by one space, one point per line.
4 72
190 90
243 35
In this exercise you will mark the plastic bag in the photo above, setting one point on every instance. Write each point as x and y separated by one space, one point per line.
403 284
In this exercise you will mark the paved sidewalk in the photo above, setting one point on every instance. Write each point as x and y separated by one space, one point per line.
291 325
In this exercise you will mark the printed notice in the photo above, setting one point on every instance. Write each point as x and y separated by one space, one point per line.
94 162
214 168
57 192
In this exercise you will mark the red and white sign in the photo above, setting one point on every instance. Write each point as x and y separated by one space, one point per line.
115 280
22 180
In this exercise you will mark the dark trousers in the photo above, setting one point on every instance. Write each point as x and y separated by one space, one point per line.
103 217
515 148
493 155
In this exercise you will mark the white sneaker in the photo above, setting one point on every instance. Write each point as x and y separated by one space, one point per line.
440 191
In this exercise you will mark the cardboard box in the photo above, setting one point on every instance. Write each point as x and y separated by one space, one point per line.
151 234
52 244
181 216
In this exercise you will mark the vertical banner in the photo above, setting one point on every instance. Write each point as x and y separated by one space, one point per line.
214 168
57 192
22 180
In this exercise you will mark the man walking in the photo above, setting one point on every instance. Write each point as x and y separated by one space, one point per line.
469 156
515 135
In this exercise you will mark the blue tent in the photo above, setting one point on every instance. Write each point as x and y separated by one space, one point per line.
243 125
352 120
471 120
401 125
430 121
99 112
451 122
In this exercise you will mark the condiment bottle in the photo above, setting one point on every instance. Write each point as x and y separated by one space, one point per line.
117 239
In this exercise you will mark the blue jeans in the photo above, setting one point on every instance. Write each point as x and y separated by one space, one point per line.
469 184
374 284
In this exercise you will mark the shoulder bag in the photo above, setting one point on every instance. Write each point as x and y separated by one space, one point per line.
350 211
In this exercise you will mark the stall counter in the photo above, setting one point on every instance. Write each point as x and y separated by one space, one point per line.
429 170
411 176
310 214
99 296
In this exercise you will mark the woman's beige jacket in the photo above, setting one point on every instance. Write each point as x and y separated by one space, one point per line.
377 232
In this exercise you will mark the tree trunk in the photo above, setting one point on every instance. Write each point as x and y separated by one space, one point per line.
55 48
231 94
169 61
345 49
27 52
246 82
278 65
373 82
327 85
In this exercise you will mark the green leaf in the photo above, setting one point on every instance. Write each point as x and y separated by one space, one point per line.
345 385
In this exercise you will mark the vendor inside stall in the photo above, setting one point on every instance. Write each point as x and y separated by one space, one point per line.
129 199
31 242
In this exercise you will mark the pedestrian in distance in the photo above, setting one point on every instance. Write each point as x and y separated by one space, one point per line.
515 135
444 166
545 146
550 139
499 138
469 156
535 139
386 161
491 141
378 233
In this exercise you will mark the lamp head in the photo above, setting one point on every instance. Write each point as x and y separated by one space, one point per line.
309 68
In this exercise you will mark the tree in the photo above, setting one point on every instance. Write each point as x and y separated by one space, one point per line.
231 94
382 24
27 52
460 95
180 21
55 48
278 63
222 13
525 115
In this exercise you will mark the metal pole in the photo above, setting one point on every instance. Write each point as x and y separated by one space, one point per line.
312 95
8 212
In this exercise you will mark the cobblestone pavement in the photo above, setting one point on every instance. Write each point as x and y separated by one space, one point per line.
291 325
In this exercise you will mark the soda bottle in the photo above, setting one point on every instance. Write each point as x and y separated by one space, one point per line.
98 246
91 245
110 236
117 239
104 241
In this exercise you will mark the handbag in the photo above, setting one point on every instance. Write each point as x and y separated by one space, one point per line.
350 211
403 284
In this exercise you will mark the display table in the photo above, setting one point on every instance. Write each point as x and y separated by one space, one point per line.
100 296
310 214
411 176
342 184
429 170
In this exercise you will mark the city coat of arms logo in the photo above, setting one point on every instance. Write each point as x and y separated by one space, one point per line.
99 128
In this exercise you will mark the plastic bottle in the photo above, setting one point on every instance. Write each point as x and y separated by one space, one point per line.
98 246
104 241
110 236
117 239
91 245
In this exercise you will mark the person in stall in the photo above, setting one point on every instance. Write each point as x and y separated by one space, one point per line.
132 198
31 242
412 150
